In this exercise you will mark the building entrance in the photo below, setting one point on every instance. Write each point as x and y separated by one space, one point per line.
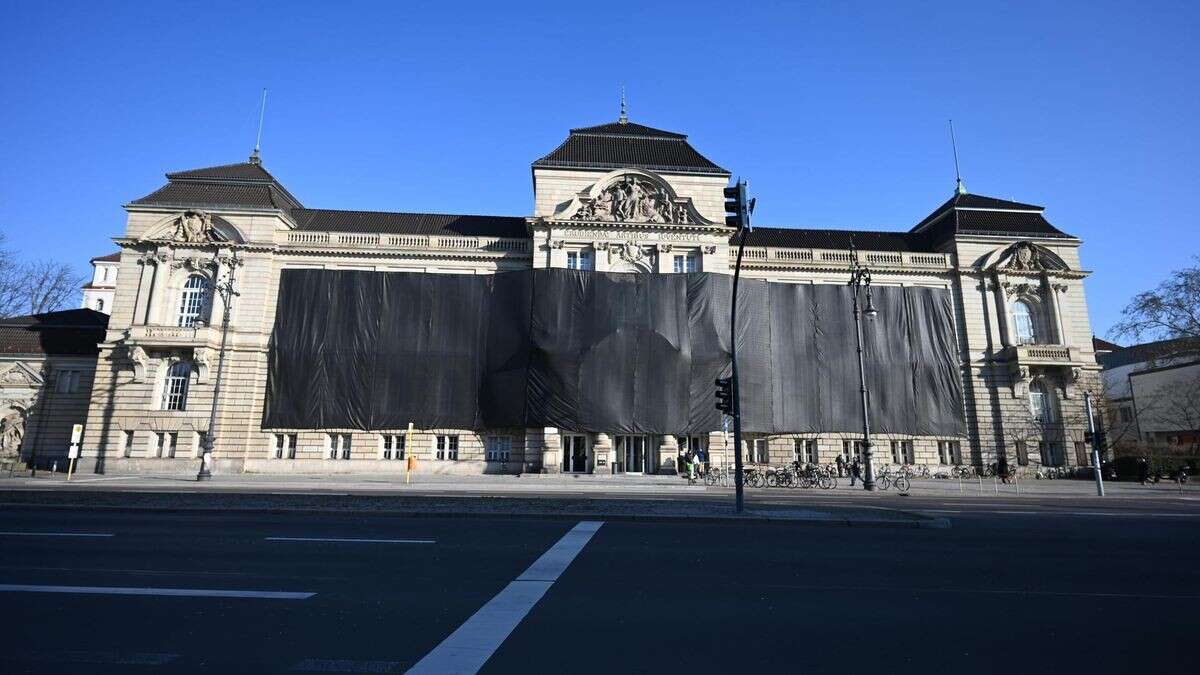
634 454
574 453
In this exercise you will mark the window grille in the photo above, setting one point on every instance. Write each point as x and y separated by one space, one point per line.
194 301
499 448
175 386
393 446
447 448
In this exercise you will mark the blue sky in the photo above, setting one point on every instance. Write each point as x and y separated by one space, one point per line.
836 112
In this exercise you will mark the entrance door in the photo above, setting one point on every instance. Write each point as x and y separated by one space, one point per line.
634 453
574 452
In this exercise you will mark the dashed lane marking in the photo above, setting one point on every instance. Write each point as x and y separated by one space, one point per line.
176 592
56 534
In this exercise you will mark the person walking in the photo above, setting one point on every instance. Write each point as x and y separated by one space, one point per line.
1143 470
690 460
855 472
841 466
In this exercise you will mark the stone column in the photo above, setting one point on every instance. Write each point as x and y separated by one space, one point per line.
1059 326
668 453
603 455
1006 335
551 450
666 260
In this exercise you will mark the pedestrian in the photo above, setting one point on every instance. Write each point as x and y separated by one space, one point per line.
855 472
1002 469
1143 470
841 466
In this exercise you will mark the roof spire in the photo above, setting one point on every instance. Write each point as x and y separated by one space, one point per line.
624 118
959 188
255 157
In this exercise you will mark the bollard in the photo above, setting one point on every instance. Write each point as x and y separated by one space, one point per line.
1017 481
980 478
996 484
960 484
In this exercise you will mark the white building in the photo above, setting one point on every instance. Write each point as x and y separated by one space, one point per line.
98 293
1025 352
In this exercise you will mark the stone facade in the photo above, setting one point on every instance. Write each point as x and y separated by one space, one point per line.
629 214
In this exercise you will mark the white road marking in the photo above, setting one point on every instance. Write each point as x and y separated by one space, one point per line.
469 647
55 534
180 592
344 666
353 541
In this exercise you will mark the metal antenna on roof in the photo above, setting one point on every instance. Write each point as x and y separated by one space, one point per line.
624 119
255 157
959 188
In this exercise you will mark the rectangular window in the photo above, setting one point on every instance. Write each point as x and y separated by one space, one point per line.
758 451
1051 453
1126 414
200 437
337 446
579 260
902 452
1022 454
67 382
805 451
1081 454
950 452
684 263
172 442
175 386
852 450
499 448
393 446
285 446
447 448
126 443
160 443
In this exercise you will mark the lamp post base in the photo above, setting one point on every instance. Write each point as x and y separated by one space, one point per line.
205 462
869 485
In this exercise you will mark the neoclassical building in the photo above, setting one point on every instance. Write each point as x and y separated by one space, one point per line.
618 197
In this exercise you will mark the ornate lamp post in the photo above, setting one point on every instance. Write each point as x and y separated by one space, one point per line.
227 292
860 279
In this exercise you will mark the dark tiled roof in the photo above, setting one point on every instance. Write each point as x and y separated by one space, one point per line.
787 237
240 171
246 184
976 214
111 257
1102 345
410 223
189 193
619 145
70 332
1150 351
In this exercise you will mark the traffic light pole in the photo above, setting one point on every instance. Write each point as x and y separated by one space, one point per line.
737 401
1096 441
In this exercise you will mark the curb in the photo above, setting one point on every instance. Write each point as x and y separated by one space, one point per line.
923 522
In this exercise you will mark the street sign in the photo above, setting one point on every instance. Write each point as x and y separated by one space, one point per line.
73 452
76 434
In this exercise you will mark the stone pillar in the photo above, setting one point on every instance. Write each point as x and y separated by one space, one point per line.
720 450
603 455
551 450
668 453
666 259
1059 325
1006 335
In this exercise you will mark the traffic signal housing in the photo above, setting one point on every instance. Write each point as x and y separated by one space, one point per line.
738 206
725 395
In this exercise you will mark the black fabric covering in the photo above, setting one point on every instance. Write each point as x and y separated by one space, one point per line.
591 351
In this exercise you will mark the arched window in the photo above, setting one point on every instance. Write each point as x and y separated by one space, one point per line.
175 386
194 302
1041 406
1024 324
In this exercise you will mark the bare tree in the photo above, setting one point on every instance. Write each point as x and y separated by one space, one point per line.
34 287
1170 311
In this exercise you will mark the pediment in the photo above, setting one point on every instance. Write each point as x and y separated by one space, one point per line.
1024 256
20 375
193 227
631 196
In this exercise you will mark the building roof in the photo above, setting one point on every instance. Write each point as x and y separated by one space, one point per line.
965 213
332 220
72 332
110 258
1100 345
247 184
1150 351
619 145
787 237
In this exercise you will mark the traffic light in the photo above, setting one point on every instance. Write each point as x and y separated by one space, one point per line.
725 395
738 206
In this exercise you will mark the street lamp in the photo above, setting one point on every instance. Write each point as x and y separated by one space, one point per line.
860 279
227 292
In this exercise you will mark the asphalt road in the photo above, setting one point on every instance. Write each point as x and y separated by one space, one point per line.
998 591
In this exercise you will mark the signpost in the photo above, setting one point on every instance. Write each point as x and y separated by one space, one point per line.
73 451
410 460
